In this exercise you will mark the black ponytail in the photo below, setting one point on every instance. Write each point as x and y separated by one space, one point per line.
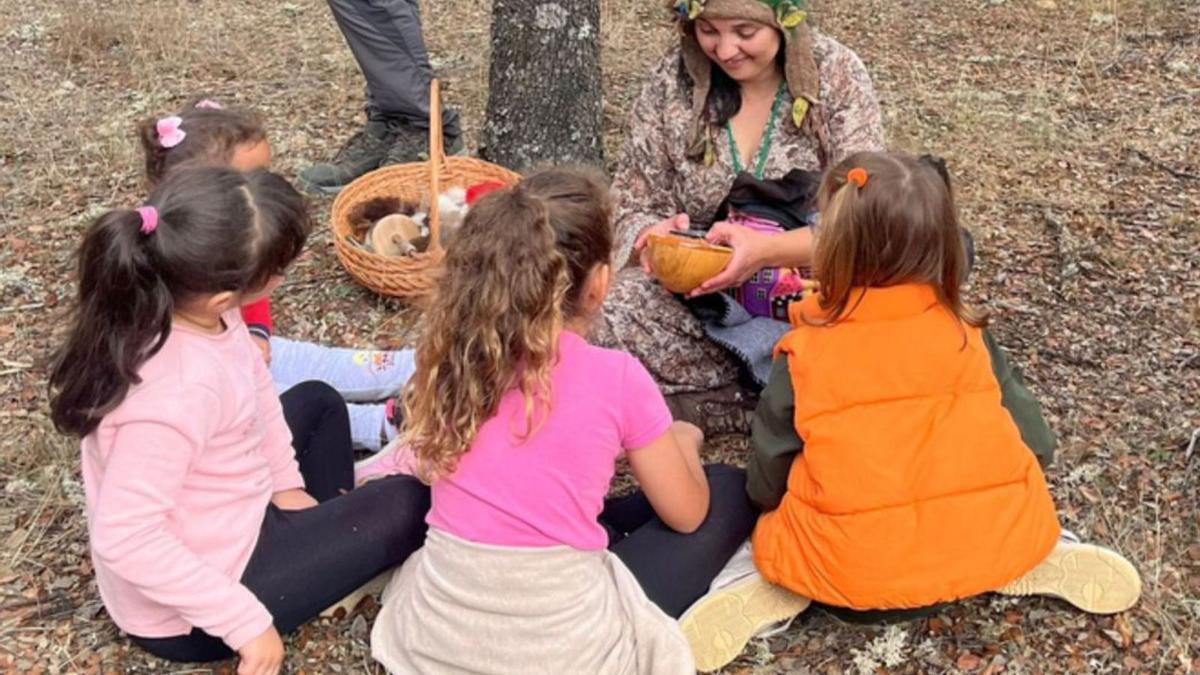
122 317
217 230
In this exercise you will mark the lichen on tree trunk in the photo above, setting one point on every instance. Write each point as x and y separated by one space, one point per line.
544 103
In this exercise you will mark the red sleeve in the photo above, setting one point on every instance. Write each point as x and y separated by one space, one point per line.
257 316
480 189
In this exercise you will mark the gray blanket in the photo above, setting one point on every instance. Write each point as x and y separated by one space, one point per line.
751 339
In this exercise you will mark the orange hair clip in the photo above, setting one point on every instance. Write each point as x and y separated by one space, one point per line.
858 176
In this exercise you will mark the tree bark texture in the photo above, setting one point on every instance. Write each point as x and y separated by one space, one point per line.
544 101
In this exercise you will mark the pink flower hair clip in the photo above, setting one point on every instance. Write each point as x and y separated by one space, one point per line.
209 104
169 133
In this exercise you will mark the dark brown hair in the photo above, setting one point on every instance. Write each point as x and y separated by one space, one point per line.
514 272
901 227
218 230
211 137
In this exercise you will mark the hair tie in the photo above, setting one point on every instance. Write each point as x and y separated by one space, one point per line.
858 176
169 133
149 216
209 104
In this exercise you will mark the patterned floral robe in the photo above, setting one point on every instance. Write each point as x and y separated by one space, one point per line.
655 180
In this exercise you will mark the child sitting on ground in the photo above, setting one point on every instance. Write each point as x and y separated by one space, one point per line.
208 133
893 464
518 422
218 511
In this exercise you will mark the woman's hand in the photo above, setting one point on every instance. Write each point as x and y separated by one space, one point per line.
261 656
679 221
293 500
750 254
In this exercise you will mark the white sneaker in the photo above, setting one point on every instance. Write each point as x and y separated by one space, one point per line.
740 605
739 566
348 604
1095 579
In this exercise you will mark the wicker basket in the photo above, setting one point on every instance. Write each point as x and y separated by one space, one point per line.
410 278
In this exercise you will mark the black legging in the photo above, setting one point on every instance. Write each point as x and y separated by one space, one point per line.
316 415
676 569
307 560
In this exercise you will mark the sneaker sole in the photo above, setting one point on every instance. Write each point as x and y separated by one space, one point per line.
1093 578
720 626
350 602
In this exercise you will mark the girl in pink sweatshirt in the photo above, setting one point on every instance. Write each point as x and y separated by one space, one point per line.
219 514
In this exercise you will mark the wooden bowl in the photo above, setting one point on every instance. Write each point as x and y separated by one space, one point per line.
682 264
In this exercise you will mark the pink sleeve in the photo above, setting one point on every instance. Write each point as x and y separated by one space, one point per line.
644 413
277 443
129 530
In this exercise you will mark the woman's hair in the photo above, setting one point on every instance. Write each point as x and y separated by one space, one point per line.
900 227
211 134
216 230
514 272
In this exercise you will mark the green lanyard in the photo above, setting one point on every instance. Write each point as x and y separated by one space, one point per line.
764 146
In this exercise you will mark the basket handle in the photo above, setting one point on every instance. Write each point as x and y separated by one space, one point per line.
435 161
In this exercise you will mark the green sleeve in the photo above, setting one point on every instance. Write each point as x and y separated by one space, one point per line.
774 439
1020 403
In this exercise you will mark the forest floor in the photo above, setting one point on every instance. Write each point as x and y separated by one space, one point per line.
1070 126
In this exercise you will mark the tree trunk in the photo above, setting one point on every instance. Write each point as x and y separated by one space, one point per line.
544 104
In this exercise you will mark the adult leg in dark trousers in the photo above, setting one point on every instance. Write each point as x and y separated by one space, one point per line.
386 40
307 560
675 569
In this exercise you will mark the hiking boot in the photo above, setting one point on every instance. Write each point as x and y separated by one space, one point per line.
362 153
411 144
719 412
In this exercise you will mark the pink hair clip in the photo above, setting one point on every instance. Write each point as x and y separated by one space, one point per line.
209 104
149 216
169 133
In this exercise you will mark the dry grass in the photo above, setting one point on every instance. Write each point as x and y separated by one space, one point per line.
1071 127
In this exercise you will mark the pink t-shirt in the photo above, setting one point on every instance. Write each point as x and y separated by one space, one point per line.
178 477
549 489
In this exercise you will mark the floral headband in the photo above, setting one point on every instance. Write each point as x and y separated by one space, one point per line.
788 13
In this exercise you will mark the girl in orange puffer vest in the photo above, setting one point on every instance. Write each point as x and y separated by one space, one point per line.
903 471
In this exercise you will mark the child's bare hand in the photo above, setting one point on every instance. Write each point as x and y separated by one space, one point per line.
261 656
679 221
264 346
